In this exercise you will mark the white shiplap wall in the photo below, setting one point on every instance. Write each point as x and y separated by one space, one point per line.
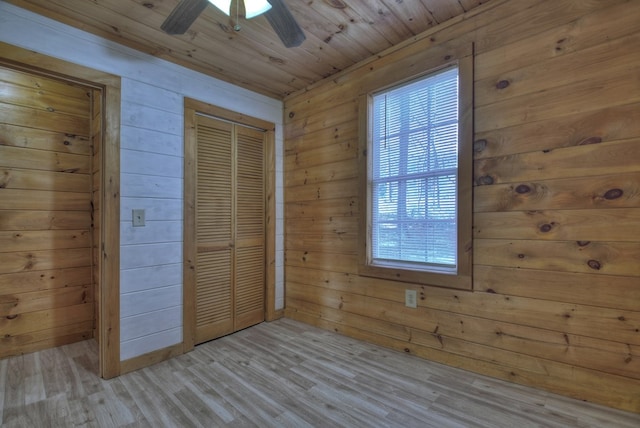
151 166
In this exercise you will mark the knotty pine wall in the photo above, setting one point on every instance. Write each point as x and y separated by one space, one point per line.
151 157
556 300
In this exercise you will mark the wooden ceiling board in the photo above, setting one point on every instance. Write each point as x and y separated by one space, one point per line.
415 15
340 33
443 10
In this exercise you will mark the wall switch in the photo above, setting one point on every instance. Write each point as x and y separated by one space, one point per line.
411 298
137 217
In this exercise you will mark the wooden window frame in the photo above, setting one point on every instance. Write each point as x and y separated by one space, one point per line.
462 278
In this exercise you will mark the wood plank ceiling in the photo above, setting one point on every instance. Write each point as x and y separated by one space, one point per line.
339 34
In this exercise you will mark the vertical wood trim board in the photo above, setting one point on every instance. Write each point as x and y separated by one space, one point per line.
270 238
556 214
106 87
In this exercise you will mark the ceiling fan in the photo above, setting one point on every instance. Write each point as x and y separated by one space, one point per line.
278 15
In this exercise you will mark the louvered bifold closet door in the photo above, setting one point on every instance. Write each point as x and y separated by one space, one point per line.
214 229
230 228
250 228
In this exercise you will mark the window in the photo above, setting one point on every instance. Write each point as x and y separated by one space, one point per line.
417 207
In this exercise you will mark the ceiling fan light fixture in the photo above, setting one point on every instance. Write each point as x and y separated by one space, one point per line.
223 5
255 7
252 8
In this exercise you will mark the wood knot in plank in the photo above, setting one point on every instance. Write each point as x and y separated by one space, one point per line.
148 5
522 189
546 227
479 145
503 84
291 114
594 264
583 243
485 180
12 317
612 194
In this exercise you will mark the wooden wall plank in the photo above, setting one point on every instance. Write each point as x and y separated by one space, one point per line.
340 207
34 341
556 204
327 190
609 124
15 304
342 170
43 160
44 100
462 334
581 320
330 226
65 90
17 199
576 161
44 240
44 260
608 191
569 287
20 136
47 319
616 224
331 243
46 120
590 29
43 220
576 97
595 257
24 282
44 180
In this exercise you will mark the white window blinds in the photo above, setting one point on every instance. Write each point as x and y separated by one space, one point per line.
414 177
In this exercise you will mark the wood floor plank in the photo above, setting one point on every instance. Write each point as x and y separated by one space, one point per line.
280 374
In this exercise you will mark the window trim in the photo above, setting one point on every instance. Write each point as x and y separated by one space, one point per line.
462 278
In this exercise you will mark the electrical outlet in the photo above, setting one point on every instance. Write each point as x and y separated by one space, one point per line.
411 298
137 217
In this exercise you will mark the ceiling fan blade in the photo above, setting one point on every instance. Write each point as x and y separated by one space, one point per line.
183 15
284 24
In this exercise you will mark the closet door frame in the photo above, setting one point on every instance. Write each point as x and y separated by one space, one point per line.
191 109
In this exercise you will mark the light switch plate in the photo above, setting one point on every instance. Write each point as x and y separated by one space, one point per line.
137 218
411 298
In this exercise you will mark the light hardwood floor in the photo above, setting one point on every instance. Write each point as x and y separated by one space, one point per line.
280 374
